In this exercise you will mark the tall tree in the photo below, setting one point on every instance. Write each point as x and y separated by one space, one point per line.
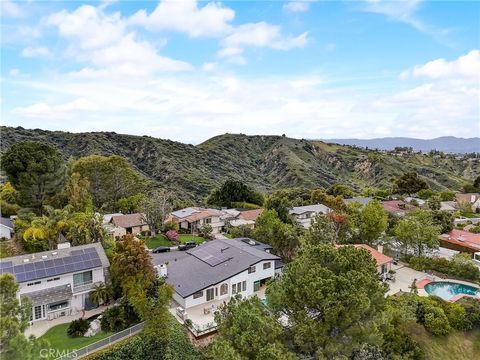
332 298
155 209
370 222
111 178
410 183
234 191
332 228
14 319
417 232
247 331
78 194
36 170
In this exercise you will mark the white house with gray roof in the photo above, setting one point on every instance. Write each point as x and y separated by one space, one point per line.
58 281
217 270
6 228
303 215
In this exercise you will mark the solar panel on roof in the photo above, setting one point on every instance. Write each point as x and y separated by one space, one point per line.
30 275
76 258
20 277
29 267
48 263
97 262
50 271
76 252
17 269
39 265
77 266
69 268
58 262
41 273
90 250
9 270
6 264
67 260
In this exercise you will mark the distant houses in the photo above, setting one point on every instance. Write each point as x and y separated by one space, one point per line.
129 224
461 240
303 215
192 219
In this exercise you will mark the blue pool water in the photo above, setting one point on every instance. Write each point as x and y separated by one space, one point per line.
447 290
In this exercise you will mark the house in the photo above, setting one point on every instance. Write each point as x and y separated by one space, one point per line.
358 199
396 207
234 218
6 228
131 223
115 232
448 206
214 272
415 201
193 218
384 262
303 215
250 215
460 240
58 281
471 200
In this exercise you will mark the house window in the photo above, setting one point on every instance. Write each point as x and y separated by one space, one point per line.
208 221
38 312
53 279
244 286
234 289
223 289
256 285
239 287
82 278
198 295
252 269
267 265
58 305
210 294
34 283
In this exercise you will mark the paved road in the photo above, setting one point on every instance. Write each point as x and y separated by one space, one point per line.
173 255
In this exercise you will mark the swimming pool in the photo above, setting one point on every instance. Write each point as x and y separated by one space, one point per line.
446 290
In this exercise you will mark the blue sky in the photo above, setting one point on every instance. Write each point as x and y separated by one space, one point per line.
189 70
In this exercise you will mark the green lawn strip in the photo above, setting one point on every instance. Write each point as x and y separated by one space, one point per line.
59 340
156 241
183 238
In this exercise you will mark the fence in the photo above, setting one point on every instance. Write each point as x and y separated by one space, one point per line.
87 350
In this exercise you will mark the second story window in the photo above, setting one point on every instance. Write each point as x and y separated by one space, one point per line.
252 269
267 265
83 278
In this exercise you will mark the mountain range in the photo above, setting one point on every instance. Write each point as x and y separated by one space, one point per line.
447 144
264 162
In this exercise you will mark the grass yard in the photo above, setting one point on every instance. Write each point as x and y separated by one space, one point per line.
183 238
156 241
59 340
456 346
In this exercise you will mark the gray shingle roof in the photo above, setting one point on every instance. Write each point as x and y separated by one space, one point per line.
360 199
318 208
191 274
6 222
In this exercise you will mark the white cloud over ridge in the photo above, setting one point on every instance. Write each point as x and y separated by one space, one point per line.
36 52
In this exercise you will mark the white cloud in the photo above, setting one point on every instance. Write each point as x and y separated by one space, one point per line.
9 8
260 34
297 6
102 41
36 52
466 66
41 110
185 16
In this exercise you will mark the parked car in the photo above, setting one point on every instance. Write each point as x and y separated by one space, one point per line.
161 249
187 245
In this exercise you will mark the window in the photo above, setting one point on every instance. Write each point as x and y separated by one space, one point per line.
208 221
256 285
53 279
244 286
223 289
198 295
38 312
82 278
234 289
216 291
252 269
267 265
210 294
57 305
239 287
34 283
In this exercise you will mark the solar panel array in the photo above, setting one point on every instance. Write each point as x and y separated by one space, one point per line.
211 253
78 260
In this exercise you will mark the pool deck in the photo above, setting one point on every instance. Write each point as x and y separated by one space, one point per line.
422 292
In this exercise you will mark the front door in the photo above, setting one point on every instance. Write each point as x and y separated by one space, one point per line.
210 294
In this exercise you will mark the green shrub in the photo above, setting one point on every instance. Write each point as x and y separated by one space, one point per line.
461 266
472 310
170 225
435 321
457 317
119 317
78 328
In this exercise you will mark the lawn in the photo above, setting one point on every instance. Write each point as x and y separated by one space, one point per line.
183 238
456 346
156 241
59 340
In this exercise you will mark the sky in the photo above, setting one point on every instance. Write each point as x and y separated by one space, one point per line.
189 70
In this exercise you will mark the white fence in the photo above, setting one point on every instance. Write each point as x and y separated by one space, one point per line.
87 350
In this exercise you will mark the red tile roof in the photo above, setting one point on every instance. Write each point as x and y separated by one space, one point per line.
395 206
462 238
250 214
377 255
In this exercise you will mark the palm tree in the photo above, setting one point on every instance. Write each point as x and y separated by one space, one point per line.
100 294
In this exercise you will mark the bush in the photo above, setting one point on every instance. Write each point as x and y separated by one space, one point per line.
78 328
472 311
461 266
435 321
119 317
457 317
170 225
172 235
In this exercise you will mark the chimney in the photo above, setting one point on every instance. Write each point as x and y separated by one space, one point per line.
380 249
64 245
162 270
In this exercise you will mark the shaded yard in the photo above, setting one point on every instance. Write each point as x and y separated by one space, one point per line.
59 340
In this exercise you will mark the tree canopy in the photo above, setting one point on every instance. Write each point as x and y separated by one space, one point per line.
410 183
232 191
36 170
332 298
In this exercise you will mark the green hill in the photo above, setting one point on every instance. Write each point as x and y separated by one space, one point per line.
265 162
